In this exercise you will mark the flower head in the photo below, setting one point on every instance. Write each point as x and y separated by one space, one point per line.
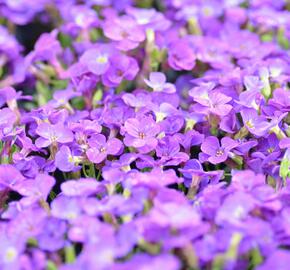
215 151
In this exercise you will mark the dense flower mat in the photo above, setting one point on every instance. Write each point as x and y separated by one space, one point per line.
144 135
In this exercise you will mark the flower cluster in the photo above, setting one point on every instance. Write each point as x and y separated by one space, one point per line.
145 135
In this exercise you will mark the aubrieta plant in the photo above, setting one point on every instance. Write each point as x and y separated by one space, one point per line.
144 135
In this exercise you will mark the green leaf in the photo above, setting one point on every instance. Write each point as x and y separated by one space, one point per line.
70 254
284 168
97 97
51 266
65 40
78 103
43 93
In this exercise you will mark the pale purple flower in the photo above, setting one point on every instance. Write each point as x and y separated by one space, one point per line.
35 190
181 56
155 179
235 208
7 121
97 60
149 18
67 208
122 68
168 149
157 81
146 262
213 101
100 148
52 134
11 248
256 124
52 237
137 100
80 187
66 160
279 260
217 152
125 31
9 176
141 133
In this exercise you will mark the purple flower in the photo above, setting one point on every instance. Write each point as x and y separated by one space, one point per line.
235 208
157 81
66 161
9 177
214 102
80 187
155 179
35 190
181 56
168 149
141 133
52 237
125 31
7 121
46 48
149 18
190 138
195 176
67 208
52 134
279 259
281 99
11 248
97 60
82 78
100 148
142 261
165 214
137 100
216 152
81 16
256 124
122 67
